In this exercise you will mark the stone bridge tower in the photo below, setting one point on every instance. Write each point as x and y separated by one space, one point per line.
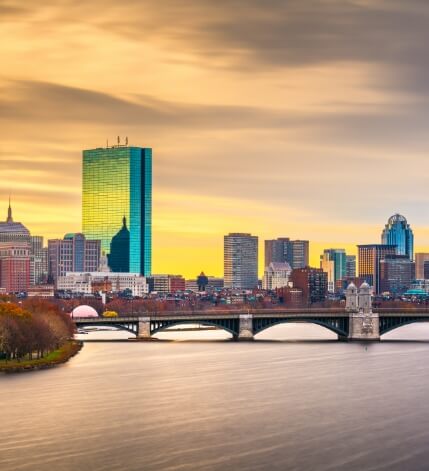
363 323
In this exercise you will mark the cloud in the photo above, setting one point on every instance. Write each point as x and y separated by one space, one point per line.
47 102
279 32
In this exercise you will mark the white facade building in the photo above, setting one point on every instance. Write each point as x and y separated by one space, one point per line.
276 275
87 283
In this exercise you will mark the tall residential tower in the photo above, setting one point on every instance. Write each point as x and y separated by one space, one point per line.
281 250
241 261
117 197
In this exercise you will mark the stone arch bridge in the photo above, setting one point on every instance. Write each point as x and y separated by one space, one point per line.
244 325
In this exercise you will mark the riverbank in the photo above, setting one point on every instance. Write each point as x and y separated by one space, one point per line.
54 358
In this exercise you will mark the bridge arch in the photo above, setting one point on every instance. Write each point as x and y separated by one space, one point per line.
228 325
387 325
132 328
338 326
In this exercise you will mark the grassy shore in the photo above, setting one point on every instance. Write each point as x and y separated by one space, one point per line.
54 358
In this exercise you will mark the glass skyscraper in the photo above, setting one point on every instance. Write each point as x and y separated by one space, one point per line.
334 263
398 232
117 197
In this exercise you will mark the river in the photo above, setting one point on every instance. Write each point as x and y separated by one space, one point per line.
273 404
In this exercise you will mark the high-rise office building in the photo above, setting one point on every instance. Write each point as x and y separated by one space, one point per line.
396 274
117 193
350 266
398 232
276 250
421 258
74 253
333 262
281 250
240 261
369 257
38 261
300 253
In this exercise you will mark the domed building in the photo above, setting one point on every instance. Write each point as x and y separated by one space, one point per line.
84 311
398 232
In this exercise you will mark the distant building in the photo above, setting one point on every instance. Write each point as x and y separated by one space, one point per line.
276 275
74 253
396 274
426 270
166 284
421 258
117 184
398 232
15 251
420 284
213 283
41 291
202 281
281 250
15 266
313 282
119 256
350 266
369 257
333 262
38 261
291 296
11 231
240 261
94 282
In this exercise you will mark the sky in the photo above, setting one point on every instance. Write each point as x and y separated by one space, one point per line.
303 118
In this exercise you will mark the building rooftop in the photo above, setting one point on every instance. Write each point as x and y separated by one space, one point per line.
9 226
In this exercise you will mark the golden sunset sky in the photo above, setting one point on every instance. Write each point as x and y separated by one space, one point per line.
304 118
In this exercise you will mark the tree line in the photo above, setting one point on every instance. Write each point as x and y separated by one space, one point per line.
32 329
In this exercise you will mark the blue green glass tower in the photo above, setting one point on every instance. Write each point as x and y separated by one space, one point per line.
117 197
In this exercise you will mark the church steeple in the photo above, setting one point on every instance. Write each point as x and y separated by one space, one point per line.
9 214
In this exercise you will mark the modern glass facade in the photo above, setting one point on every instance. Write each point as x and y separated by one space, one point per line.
334 263
369 257
398 232
117 184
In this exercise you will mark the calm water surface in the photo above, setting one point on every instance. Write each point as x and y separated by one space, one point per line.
267 405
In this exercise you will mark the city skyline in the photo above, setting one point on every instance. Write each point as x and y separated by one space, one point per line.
298 141
267 250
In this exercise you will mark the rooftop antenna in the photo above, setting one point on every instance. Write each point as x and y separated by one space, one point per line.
9 212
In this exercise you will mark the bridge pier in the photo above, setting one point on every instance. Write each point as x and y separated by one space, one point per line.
245 328
364 326
143 332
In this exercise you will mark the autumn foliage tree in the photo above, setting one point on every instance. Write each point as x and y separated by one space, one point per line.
36 327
